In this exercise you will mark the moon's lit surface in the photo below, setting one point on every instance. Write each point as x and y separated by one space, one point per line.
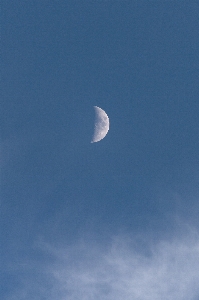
101 125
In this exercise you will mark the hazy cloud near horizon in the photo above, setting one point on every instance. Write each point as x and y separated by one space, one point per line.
168 269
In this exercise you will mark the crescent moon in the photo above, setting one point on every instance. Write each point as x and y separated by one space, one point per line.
101 125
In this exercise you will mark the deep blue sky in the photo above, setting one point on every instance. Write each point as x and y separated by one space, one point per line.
139 61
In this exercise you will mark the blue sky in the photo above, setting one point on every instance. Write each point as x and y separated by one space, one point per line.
117 219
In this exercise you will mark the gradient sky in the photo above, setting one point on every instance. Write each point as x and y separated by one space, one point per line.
112 220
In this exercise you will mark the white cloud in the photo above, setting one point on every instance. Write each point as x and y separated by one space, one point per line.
168 270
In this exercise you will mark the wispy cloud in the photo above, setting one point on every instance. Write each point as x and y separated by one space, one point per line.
167 270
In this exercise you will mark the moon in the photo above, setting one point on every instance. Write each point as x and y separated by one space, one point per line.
101 125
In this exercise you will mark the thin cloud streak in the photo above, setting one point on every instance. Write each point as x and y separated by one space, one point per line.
167 270
171 271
